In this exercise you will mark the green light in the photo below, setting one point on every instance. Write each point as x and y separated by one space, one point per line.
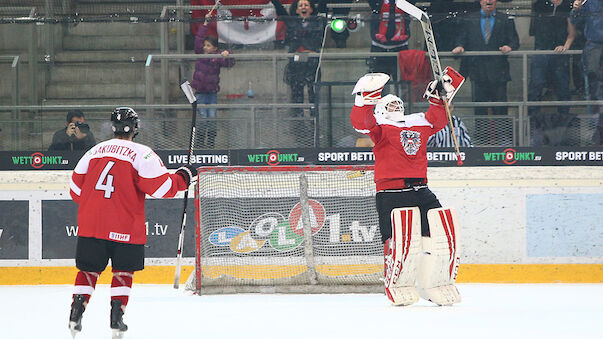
338 25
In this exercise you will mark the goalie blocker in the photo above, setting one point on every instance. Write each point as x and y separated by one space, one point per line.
422 266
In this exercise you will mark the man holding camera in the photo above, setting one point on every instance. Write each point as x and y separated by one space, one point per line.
75 136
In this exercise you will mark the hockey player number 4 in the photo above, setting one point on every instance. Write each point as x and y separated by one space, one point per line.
105 181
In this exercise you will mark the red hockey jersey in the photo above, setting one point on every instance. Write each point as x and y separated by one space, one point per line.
400 147
109 185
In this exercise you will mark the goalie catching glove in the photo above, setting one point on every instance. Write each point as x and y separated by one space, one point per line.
189 173
368 88
446 88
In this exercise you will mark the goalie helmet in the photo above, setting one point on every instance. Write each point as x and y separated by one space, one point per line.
390 107
124 120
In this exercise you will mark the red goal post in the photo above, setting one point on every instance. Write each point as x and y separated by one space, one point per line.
286 229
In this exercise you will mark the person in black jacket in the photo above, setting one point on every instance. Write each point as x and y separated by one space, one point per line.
488 74
304 34
75 136
552 31
390 31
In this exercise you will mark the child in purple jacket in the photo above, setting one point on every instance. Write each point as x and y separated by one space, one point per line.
206 82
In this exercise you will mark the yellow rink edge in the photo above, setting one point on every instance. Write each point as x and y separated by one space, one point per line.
468 273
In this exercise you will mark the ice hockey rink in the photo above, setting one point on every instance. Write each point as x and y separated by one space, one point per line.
159 311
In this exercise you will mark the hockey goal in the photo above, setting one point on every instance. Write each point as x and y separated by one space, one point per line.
304 229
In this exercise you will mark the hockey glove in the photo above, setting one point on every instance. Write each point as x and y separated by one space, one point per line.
454 82
368 88
450 84
432 92
188 173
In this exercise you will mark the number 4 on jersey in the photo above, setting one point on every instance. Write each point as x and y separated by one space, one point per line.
105 181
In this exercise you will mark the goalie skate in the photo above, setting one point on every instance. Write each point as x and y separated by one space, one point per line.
440 262
401 256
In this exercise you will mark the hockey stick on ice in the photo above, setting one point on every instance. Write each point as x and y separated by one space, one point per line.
190 95
434 60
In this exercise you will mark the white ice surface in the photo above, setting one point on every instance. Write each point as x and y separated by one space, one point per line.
159 311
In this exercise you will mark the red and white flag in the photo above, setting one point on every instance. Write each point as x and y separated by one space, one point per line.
240 30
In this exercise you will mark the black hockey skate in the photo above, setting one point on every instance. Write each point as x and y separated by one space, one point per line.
75 317
117 324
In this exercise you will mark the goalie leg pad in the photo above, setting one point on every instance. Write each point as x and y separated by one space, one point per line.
440 262
402 252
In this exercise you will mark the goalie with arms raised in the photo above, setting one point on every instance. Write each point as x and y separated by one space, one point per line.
419 235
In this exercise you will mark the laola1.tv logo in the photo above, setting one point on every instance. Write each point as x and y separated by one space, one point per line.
286 234
283 234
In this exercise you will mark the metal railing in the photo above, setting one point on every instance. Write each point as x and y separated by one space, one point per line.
522 125
164 127
28 14
258 131
253 129
520 121
14 65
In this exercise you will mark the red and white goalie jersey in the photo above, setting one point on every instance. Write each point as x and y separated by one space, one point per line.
400 147
109 184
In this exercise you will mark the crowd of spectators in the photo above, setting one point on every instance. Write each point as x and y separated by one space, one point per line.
478 26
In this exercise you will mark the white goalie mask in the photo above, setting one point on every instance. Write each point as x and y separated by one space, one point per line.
390 107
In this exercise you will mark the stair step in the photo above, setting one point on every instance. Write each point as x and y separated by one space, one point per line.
115 91
101 42
105 56
5 100
114 28
172 2
132 9
95 101
67 90
98 73
106 73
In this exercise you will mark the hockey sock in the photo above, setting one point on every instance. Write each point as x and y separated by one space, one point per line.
120 286
85 282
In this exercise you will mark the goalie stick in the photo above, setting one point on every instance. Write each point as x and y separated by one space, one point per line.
434 60
190 95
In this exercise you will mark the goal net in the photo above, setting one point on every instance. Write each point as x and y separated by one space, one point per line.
305 229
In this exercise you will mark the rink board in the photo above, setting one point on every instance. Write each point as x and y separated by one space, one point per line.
468 273
528 224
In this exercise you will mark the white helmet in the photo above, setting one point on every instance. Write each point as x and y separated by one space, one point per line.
390 107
